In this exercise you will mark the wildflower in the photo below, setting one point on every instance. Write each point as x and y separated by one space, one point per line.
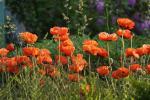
103 70
63 59
74 77
135 67
125 34
10 47
121 72
3 52
30 51
126 23
28 37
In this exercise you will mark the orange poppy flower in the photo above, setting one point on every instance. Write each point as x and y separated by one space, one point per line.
125 33
147 46
67 50
23 61
61 37
63 59
148 69
141 51
44 52
52 72
135 67
66 43
28 37
107 37
131 52
121 72
113 37
103 70
90 42
74 77
30 51
44 60
91 49
85 89
126 23
10 47
76 68
59 30
3 52
42 72
78 60
102 52
11 66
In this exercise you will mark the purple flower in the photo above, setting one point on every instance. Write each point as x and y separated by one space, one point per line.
113 20
136 16
100 6
100 21
131 2
146 24
140 27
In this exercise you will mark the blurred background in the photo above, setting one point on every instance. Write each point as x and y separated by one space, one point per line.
81 16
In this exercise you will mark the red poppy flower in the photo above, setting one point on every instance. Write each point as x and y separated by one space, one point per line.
10 47
103 70
125 33
148 69
28 37
30 51
135 67
42 72
76 68
126 23
85 89
67 47
63 59
74 77
44 60
78 60
121 72
52 72
103 52
23 61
